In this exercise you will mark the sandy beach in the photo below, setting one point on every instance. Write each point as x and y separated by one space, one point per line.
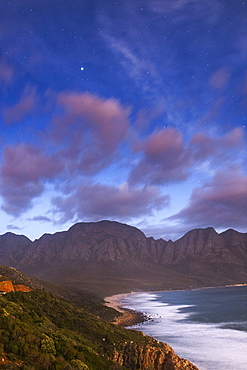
127 317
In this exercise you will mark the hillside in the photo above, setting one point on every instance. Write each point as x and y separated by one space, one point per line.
40 331
108 257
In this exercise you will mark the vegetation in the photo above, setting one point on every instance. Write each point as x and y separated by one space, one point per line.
40 331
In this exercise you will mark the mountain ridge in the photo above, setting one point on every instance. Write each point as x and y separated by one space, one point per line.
113 257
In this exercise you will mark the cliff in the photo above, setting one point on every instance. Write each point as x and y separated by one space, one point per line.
160 357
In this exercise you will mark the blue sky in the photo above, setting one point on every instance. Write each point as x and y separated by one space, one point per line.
133 111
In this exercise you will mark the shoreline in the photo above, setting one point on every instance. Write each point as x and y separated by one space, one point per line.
130 317
127 316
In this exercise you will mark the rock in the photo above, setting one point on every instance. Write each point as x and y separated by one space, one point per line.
159 357
8 286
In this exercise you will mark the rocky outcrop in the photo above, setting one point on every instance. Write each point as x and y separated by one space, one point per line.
159 357
8 286
22 288
11 273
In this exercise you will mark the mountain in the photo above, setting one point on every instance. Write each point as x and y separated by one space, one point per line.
109 257
13 247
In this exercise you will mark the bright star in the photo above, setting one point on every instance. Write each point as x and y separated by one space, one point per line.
82 68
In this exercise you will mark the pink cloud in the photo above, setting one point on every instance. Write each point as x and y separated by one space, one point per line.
164 158
22 108
89 129
23 173
6 73
106 118
85 136
205 146
97 201
219 78
219 203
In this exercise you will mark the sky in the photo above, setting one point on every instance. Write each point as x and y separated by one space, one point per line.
128 110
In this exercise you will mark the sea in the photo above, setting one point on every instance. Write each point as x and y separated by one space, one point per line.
206 326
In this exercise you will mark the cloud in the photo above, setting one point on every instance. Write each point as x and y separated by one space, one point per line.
163 230
135 62
98 201
219 78
23 173
90 130
6 73
25 106
133 47
166 158
220 203
158 6
83 138
206 146
41 219
13 227
208 8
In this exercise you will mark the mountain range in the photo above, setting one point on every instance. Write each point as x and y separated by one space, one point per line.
108 257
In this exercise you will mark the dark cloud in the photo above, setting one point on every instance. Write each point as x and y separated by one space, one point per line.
13 227
97 201
41 219
220 203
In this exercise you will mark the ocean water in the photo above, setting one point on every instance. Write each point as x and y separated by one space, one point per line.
206 326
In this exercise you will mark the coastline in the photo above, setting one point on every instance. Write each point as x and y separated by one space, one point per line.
127 316
188 339
130 317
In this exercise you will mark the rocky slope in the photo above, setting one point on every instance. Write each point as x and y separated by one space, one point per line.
18 278
109 257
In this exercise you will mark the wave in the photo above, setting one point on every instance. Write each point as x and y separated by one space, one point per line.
210 346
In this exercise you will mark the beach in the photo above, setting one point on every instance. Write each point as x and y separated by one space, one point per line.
128 317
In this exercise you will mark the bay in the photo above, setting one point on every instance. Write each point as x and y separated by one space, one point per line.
206 326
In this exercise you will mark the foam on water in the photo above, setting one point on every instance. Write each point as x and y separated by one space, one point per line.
210 346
